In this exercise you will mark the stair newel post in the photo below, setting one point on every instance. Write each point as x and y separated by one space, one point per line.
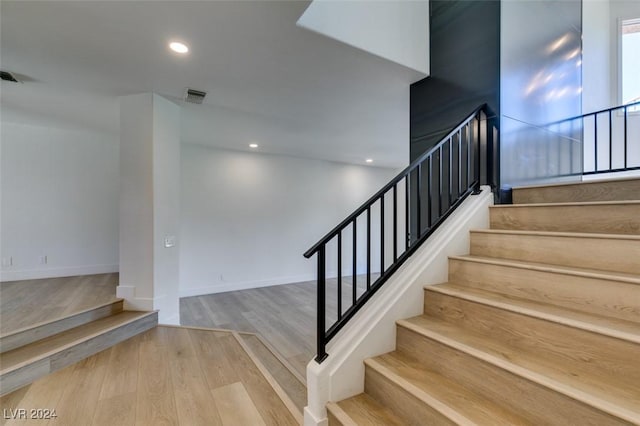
320 332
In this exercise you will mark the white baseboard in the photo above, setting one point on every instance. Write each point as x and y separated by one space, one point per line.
243 285
35 274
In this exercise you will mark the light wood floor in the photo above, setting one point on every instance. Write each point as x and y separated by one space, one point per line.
166 376
30 302
284 315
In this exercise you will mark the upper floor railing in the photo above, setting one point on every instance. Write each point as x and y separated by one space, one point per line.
359 255
604 141
610 138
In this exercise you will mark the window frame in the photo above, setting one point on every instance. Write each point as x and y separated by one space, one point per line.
619 72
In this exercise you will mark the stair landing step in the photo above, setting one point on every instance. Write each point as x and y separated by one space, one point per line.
453 400
362 410
20 357
42 330
591 190
554 374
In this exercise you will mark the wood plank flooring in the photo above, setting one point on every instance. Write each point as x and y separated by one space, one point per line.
30 302
284 315
166 376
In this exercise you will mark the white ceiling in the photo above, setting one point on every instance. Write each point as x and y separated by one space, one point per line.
268 81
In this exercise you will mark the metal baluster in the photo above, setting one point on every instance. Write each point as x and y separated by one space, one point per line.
368 248
625 137
610 143
595 140
419 202
382 235
395 222
429 197
320 331
355 261
407 227
339 274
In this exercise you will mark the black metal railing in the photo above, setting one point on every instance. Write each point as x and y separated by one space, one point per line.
610 139
379 236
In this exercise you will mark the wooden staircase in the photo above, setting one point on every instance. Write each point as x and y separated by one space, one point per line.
38 350
540 324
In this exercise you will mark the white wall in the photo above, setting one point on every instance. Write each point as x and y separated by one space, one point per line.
600 79
166 209
59 200
397 30
150 204
247 218
600 44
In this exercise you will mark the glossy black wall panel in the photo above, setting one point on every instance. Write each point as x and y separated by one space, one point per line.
465 69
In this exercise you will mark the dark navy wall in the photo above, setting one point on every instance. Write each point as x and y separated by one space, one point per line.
465 69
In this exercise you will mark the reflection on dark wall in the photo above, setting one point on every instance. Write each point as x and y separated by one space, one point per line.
541 83
465 69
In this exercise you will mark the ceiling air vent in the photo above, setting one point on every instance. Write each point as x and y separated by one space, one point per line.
7 76
195 96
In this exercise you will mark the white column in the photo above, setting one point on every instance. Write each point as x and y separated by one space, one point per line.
150 204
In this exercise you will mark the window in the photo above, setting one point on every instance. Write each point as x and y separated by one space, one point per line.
630 63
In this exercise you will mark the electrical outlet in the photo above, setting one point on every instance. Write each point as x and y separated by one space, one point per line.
169 241
7 261
43 260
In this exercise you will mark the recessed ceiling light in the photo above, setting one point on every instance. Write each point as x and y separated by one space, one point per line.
178 47
369 160
253 145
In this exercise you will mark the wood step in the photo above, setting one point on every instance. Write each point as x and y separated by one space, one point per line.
27 335
607 252
419 395
281 371
361 410
27 363
601 366
535 397
586 290
602 190
603 217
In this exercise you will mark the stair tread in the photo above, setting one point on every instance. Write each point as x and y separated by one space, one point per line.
547 267
558 234
613 327
25 355
561 375
572 203
460 404
114 301
582 182
363 410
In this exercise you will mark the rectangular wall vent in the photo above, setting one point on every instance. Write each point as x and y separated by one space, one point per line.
195 96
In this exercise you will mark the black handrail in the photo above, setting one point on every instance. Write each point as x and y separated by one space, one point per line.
431 195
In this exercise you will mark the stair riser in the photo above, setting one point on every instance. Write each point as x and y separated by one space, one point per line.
31 335
589 354
27 374
591 295
333 421
592 191
406 406
602 219
536 402
607 254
